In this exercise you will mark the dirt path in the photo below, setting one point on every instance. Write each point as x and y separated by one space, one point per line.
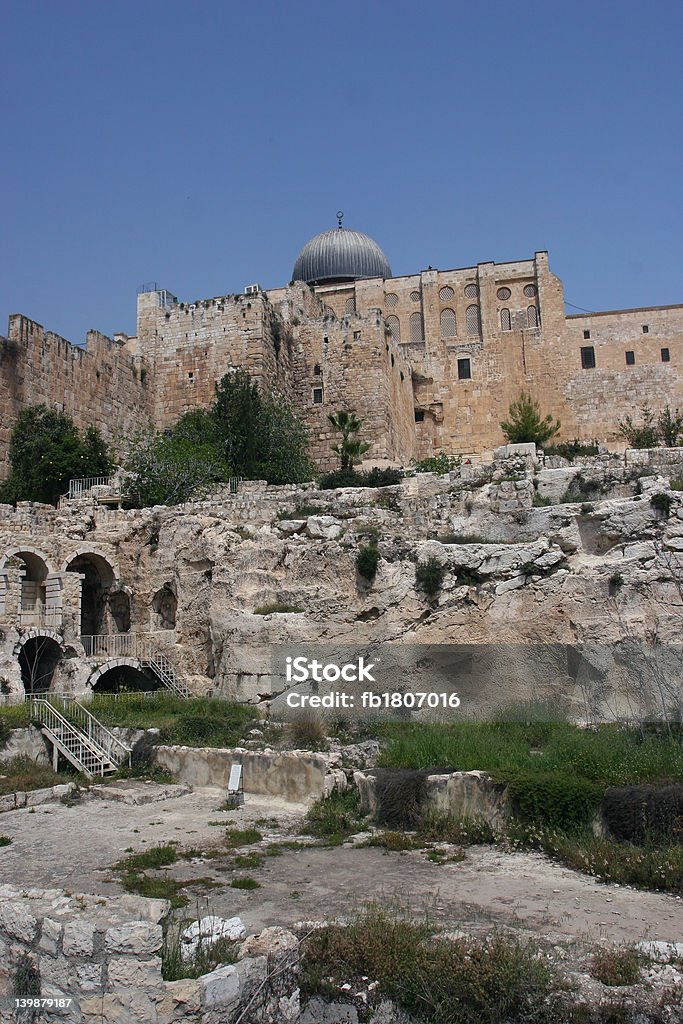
74 848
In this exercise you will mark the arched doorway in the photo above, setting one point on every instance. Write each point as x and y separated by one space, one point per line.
97 579
39 655
124 677
32 565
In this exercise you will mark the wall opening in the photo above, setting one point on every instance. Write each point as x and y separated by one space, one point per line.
126 679
164 608
97 580
38 659
119 609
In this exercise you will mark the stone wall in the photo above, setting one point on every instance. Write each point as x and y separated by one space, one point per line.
103 956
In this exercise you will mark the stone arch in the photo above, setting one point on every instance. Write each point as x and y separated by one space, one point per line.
36 561
34 567
99 575
165 607
122 674
39 652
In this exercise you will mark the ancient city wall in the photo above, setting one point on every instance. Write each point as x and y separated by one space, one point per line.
103 385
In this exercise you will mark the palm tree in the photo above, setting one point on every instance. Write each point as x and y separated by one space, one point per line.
350 450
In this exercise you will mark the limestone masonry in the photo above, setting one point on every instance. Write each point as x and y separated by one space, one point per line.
430 362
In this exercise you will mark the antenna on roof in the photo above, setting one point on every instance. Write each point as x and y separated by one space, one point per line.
340 217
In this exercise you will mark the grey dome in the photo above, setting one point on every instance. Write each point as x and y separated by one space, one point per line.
340 255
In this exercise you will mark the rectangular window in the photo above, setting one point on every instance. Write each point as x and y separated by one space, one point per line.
588 357
587 335
419 416
356 335
317 396
665 355
630 359
646 329
464 369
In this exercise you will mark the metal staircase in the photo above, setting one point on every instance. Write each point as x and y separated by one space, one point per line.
77 734
141 647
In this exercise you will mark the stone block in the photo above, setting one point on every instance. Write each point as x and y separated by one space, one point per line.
128 973
79 938
137 938
221 988
323 527
180 1003
17 922
89 977
50 935
271 941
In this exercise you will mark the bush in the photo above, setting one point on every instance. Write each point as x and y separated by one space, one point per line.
429 576
360 478
400 795
616 966
644 814
308 733
335 817
367 561
525 423
437 980
571 450
643 435
438 464
662 502
465 831
557 800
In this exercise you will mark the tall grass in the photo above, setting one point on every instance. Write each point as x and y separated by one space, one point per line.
202 721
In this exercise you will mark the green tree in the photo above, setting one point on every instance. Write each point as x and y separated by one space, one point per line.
169 468
669 426
640 435
350 449
525 423
46 451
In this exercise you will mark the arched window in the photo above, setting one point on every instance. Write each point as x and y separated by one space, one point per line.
505 323
350 304
392 300
446 293
532 316
473 320
416 327
447 323
394 325
471 291
414 296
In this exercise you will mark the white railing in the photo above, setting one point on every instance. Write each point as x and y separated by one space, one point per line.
142 647
83 486
40 615
79 734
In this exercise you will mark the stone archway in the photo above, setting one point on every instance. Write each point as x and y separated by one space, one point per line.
39 653
33 570
98 576
123 675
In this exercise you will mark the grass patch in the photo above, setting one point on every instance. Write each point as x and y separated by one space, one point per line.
618 966
175 966
13 716
22 774
245 882
156 857
5 840
248 860
395 841
276 607
236 837
486 981
203 721
335 817
155 887
465 831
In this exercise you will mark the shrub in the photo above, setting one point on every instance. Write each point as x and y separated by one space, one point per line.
525 423
616 581
236 837
429 576
245 882
176 965
367 561
644 814
616 966
276 608
643 435
571 450
400 794
360 478
5 840
335 817
464 831
558 799
662 502
308 733
438 464
539 501
436 980
302 512
397 842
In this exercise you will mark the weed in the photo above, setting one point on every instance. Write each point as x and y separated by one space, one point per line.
308 733
277 608
248 860
5 840
662 502
302 512
429 576
236 837
204 722
617 966
21 774
539 501
463 831
26 982
176 964
367 561
155 857
335 817
245 882
394 841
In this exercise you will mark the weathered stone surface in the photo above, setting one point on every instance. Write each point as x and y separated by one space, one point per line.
220 988
271 941
133 973
18 922
78 938
50 935
323 527
209 930
137 938
89 977
180 1003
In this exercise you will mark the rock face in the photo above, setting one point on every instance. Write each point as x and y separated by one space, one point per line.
602 572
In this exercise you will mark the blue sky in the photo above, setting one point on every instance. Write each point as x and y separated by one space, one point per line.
201 144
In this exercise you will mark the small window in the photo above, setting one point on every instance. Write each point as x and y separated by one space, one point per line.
646 329
190 376
586 335
503 294
505 321
588 357
419 415
471 291
665 355
464 369
392 360
317 396
316 370
446 293
529 290
532 316
414 296
392 299
325 340
356 335
630 359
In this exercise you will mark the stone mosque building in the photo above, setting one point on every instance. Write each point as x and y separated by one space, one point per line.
429 362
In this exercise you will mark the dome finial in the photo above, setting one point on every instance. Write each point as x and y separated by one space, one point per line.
340 217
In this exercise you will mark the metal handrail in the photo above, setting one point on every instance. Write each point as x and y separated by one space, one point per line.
99 737
140 647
